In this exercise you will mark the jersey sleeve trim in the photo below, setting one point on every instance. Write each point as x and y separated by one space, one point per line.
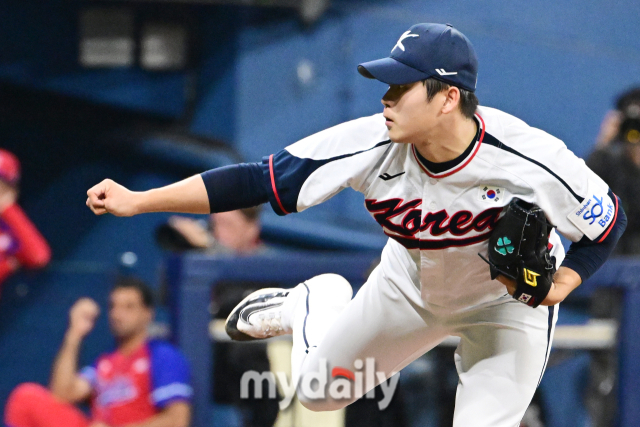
273 185
90 374
615 216
170 376
491 140
171 392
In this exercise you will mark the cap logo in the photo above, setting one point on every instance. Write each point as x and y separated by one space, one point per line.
404 35
442 72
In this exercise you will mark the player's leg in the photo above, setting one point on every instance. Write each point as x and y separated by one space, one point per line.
500 361
383 322
32 405
271 312
318 304
380 324
306 311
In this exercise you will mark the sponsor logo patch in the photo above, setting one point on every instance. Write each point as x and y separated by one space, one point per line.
594 215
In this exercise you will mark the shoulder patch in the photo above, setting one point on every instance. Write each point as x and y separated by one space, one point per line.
488 193
595 213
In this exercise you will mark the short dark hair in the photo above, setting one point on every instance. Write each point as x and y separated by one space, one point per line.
468 100
130 282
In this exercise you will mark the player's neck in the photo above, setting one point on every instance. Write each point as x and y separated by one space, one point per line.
448 140
130 344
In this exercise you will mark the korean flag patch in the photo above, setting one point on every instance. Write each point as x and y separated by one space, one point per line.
596 212
490 194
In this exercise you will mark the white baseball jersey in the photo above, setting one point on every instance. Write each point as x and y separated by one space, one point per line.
439 222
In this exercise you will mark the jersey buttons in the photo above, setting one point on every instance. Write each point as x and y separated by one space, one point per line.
432 205
433 181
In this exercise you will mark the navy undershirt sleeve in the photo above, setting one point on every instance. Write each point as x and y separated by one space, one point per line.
586 257
235 187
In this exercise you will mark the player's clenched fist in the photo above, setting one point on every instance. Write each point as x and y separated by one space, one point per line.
111 197
82 317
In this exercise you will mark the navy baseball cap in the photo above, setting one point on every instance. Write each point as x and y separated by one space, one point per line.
427 50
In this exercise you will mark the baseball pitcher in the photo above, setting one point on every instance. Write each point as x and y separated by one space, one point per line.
472 200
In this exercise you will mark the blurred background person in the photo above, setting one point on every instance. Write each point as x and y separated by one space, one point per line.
143 383
617 160
21 244
610 126
236 232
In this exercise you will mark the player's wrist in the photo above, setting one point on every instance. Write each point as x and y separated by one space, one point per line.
555 296
564 282
508 282
141 202
559 292
154 200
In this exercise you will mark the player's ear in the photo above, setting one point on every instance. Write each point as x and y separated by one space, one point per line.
452 99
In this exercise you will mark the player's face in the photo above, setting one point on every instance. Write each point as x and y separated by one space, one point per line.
128 315
408 113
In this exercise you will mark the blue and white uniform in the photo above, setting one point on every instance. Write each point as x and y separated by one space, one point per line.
439 222
431 283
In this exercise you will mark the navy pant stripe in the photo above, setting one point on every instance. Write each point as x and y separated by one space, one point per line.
552 310
304 325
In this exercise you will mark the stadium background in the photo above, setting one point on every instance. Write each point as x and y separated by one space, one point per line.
256 80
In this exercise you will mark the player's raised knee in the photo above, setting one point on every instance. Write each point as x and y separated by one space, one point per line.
338 285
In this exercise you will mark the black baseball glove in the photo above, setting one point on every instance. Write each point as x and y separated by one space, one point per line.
518 249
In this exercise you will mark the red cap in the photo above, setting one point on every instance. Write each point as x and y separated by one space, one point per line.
9 167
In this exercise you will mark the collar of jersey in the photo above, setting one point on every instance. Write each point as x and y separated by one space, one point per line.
461 162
